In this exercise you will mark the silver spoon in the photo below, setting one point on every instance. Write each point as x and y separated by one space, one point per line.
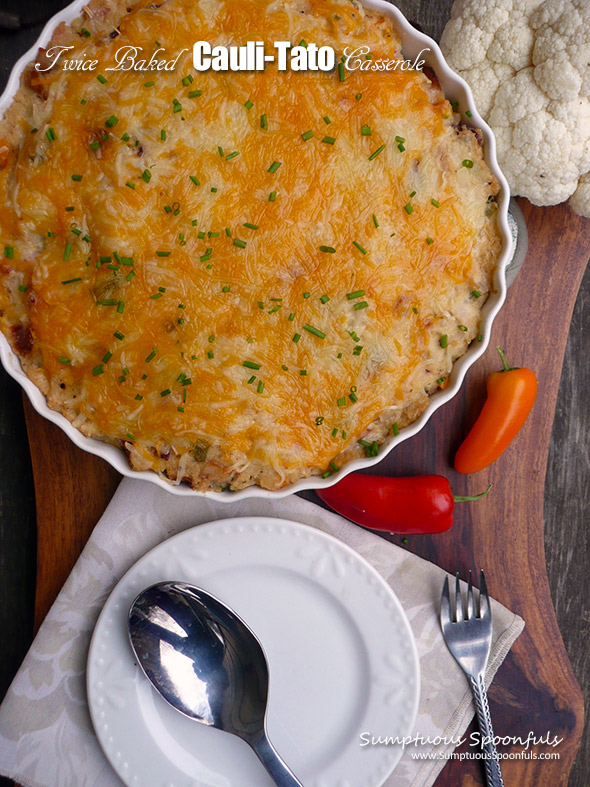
207 663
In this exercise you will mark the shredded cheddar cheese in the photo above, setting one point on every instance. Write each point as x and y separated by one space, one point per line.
241 277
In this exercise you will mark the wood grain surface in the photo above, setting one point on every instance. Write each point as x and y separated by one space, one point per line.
535 690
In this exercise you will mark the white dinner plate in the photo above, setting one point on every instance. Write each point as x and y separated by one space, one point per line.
341 655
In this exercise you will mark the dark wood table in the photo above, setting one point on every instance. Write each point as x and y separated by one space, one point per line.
566 497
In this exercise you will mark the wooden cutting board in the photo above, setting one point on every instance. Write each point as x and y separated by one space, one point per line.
535 689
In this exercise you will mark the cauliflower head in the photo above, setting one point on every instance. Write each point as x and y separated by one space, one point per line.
528 65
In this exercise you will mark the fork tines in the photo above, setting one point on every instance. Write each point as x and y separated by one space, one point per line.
464 611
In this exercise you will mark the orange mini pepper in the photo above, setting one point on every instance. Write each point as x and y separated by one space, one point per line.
511 395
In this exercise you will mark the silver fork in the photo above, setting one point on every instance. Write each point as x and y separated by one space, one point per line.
469 638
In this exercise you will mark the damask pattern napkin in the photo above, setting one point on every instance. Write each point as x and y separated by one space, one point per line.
46 735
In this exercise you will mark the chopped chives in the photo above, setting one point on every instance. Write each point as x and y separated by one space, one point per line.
119 335
67 251
195 93
251 365
71 281
65 361
272 196
441 380
326 120
366 131
226 288
467 163
335 431
274 166
22 288
165 392
248 104
375 222
138 397
401 147
429 241
228 232
353 397
341 402
341 75
130 275
163 134
408 208
111 121
462 328
187 80
315 331
444 341
210 354
152 355
334 467
358 96
177 106
326 473
251 379
130 184
328 249
98 370
232 155
50 134
306 294
264 122
358 349
251 226
146 175
468 113
241 244
95 144
149 84
296 337
85 32
260 387
102 79
435 203
359 247
303 372
120 307
395 429
9 252
361 305
375 153
163 253
125 137
220 150
214 190
476 293
107 356
356 294
307 135
325 298
195 180
479 337
329 140
69 209
155 296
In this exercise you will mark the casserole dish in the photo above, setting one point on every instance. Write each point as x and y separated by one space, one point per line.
140 454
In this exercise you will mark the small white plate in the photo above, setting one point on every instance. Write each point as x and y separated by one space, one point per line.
341 654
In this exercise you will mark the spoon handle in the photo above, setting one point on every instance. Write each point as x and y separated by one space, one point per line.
277 769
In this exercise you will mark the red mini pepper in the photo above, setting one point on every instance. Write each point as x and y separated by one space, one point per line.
411 504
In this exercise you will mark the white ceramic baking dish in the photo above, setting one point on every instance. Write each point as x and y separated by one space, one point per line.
456 89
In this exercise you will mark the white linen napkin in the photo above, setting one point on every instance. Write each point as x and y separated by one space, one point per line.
46 735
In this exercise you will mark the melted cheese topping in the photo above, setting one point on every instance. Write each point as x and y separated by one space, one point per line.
185 290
